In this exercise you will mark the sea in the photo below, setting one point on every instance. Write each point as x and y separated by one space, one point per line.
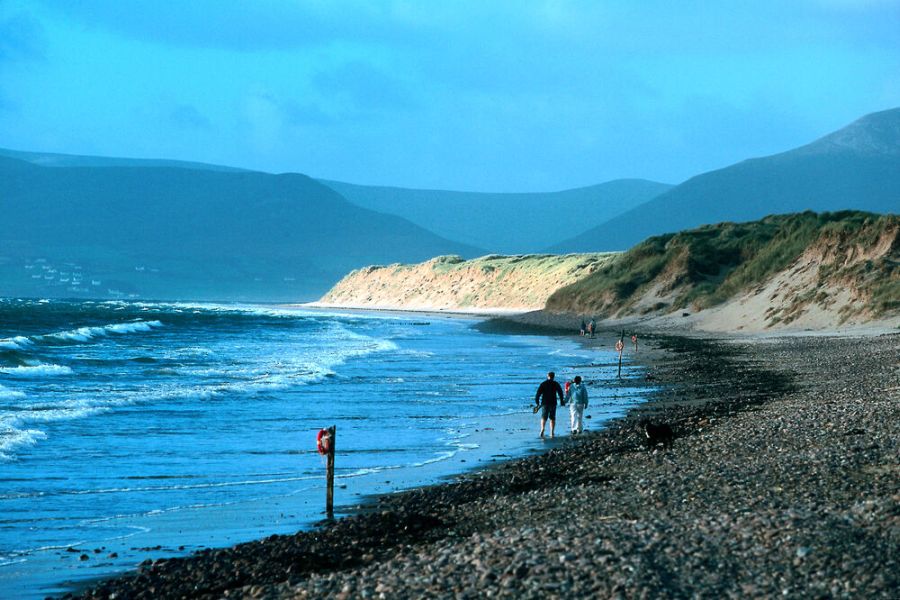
142 430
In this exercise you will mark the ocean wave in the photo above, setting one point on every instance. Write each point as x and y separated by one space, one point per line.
189 486
78 335
12 438
287 363
74 410
8 394
442 456
32 371
84 334
18 342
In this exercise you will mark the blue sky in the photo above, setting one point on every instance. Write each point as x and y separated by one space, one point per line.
472 95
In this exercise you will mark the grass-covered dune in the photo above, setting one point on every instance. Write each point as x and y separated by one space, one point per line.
839 266
451 283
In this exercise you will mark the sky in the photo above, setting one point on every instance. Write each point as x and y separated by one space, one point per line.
481 95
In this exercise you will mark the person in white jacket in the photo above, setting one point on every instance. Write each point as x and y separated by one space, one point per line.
577 399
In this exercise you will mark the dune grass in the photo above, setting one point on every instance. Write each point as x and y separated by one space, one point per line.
711 264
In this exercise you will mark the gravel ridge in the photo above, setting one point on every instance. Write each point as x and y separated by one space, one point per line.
783 481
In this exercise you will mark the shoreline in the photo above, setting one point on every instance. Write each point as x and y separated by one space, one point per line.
522 319
415 542
477 313
501 436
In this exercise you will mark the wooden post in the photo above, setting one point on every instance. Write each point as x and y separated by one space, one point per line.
329 472
619 375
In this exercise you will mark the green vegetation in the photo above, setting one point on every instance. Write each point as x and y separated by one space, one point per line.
537 264
707 266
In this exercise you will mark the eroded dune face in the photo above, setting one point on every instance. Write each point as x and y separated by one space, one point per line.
839 280
803 271
450 283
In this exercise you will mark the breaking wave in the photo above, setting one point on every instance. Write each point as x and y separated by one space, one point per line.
85 334
29 372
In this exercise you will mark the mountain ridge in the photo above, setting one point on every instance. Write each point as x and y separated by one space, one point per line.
508 223
166 232
59 159
838 171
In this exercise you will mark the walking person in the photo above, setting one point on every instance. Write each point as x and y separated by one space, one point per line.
545 397
591 326
583 327
577 399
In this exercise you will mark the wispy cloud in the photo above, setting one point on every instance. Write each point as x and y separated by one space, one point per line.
21 37
186 116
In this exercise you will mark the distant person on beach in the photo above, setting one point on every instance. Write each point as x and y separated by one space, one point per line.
546 399
577 399
583 327
591 326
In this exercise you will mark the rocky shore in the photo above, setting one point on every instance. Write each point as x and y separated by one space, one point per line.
783 481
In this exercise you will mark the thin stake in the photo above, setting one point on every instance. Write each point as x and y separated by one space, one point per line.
620 346
329 472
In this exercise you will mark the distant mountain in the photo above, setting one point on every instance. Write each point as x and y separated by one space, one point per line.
857 167
52 159
506 223
178 233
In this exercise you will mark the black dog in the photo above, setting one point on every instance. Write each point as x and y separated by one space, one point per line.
658 434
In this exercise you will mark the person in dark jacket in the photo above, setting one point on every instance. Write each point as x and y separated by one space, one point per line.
546 399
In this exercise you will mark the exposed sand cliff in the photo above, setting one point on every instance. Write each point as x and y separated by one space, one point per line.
835 283
795 272
503 283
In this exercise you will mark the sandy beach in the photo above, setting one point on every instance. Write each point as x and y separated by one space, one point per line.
783 480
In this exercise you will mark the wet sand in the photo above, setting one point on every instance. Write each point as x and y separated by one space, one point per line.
783 480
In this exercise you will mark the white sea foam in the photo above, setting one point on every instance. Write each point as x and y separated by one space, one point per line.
8 394
84 334
39 370
12 438
190 486
74 410
367 471
80 334
18 342
440 457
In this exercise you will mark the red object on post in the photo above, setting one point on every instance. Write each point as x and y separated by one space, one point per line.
323 441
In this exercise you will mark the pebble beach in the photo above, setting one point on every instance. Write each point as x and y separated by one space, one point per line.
784 480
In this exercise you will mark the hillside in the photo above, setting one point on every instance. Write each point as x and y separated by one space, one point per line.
804 271
450 283
183 233
54 159
506 223
857 167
